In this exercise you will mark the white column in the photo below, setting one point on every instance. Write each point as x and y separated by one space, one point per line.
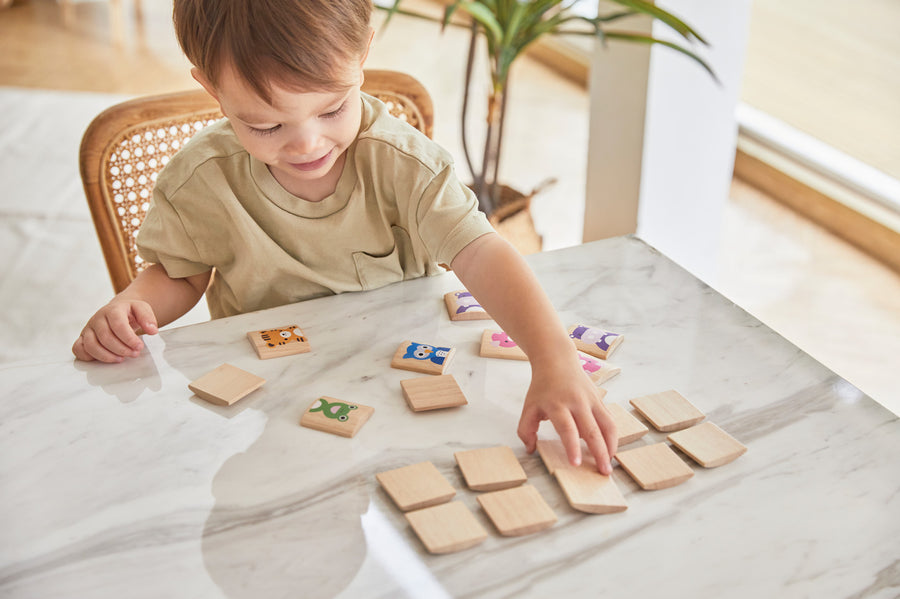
687 137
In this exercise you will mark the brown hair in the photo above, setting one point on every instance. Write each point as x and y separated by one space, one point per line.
297 43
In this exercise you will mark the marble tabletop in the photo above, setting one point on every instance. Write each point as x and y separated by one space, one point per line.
115 481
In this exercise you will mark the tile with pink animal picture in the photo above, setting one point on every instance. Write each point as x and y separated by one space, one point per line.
599 370
497 344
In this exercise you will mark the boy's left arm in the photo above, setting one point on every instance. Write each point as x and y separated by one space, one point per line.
498 277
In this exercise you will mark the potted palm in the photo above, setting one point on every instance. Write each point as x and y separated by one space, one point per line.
509 27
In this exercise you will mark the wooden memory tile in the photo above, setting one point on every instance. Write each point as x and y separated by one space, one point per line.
416 486
497 344
598 370
595 341
490 468
708 445
283 341
225 385
630 428
462 306
335 416
668 411
517 511
589 491
420 357
654 466
447 527
432 393
553 454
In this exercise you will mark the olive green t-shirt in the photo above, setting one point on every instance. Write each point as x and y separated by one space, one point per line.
397 212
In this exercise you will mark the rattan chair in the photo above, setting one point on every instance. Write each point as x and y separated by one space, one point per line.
125 147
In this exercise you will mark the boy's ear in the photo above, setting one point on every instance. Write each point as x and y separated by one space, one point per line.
365 55
206 83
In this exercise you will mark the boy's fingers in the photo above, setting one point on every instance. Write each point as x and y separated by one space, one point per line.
145 318
79 351
95 349
568 433
593 436
528 428
125 341
608 427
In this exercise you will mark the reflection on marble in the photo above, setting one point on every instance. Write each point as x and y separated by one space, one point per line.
116 482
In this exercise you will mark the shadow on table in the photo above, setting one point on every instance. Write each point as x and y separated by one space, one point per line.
286 520
126 381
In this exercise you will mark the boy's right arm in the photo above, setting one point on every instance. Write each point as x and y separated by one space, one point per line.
152 300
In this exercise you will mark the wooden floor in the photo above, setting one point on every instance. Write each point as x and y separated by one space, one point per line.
834 302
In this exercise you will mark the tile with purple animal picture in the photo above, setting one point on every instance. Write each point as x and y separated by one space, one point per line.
595 341
462 306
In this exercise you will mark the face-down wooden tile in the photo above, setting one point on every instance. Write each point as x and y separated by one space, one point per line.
416 486
432 393
630 428
668 411
335 416
490 468
517 511
447 527
589 491
595 341
708 445
553 454
462 306
654 466
283 341
420 357
225 385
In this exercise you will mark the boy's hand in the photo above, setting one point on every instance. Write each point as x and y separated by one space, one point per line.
111 334
572 403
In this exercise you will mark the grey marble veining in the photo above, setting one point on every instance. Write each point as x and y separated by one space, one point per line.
116 482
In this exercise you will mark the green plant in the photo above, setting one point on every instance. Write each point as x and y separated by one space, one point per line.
509 27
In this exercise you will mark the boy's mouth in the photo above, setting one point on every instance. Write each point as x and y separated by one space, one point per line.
313 165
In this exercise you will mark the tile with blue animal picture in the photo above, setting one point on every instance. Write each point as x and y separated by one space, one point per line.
336 416
422 357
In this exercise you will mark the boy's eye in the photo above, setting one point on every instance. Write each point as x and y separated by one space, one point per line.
268 131
335 113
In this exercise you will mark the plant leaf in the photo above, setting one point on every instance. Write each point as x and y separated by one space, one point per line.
640 38
484 16
666 17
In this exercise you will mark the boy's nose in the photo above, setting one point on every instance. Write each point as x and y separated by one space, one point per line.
302 145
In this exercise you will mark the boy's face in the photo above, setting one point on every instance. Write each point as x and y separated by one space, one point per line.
301 136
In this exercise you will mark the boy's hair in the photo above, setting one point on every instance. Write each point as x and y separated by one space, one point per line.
295 43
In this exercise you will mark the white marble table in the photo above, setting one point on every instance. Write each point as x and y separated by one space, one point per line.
116 482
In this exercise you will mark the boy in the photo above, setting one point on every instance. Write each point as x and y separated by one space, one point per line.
310 187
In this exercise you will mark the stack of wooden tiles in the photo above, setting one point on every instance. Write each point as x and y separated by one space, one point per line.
584 487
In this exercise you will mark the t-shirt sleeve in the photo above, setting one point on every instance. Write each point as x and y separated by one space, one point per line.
163 239
448 217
